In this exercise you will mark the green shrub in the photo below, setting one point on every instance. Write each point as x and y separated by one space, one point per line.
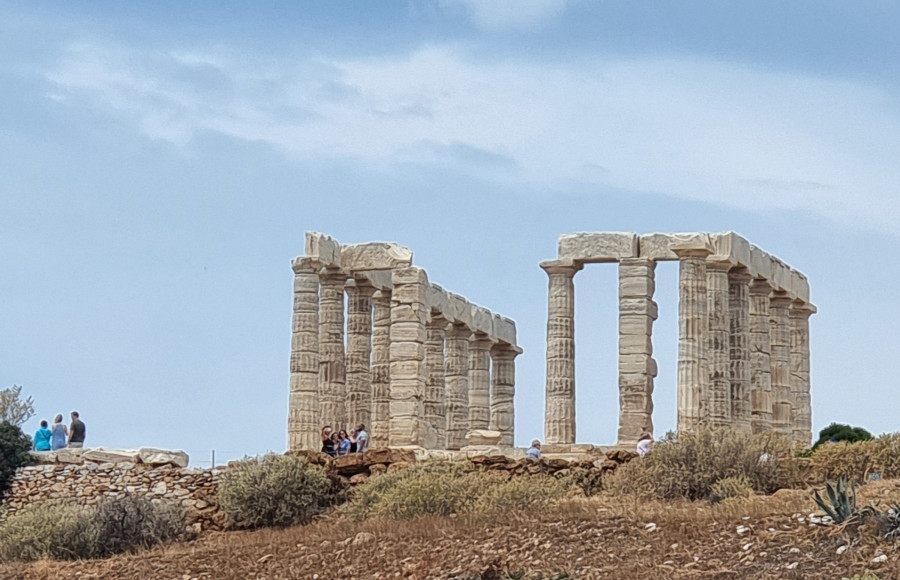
46 530
687 466
440 488
837 432
273 490
730 488
130 523
520 493
15 452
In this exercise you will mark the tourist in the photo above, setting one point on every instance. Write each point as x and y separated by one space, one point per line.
644 444
59 434
353 441
362 438
77 431
534 452
42 438
343 442
327 442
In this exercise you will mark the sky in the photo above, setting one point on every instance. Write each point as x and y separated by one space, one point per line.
160 163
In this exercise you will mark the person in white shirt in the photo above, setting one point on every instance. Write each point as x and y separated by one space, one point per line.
362 438
644 444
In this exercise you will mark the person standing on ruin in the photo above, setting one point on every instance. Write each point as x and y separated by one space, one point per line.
42 438
59 434
362 438
327 441
534 452
77 431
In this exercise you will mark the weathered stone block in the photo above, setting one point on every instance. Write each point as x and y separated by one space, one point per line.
643 306
323 248
407 351
598 247
799 286
374 256
656 247
101 455
635 344
408 313
691 243
504 329
733 247
407 332
153 456
637 364
411 275
482 320
635 324
483 437
437 298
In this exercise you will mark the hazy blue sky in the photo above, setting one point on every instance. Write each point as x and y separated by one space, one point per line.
160 163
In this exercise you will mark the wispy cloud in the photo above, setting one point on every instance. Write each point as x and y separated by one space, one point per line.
508 14
695 129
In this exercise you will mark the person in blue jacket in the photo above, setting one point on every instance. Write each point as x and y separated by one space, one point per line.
42 438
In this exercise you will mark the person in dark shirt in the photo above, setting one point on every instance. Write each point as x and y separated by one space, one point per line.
327 442
77 431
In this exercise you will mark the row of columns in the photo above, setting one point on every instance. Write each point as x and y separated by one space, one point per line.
411 376
743 350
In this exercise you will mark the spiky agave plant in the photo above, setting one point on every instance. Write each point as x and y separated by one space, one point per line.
842 500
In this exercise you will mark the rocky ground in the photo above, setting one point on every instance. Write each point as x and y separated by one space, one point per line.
605 537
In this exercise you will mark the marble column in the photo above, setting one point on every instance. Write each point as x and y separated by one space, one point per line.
435 405
359 351
381 369
780 344
480 381
456 379
801 419
760 357
303 402
637 311
408 371
739 347
332 372
503 392
559 411
693 325
718 394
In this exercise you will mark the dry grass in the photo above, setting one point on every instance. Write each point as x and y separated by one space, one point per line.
598 537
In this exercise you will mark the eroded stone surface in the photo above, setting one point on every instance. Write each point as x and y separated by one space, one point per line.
598 247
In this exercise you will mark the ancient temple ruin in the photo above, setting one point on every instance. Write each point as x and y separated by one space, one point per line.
743 339
422 366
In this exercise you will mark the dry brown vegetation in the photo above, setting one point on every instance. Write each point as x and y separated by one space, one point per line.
598 537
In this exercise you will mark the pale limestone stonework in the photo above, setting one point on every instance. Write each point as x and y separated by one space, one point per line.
743 352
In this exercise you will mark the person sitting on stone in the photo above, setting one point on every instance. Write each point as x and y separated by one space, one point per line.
644 444
534 452
342 442
60 434
42 438
353 439
362 438
327 442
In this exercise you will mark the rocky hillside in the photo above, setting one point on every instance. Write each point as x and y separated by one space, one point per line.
599 537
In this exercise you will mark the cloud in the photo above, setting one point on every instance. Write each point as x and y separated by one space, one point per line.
695 129
497 15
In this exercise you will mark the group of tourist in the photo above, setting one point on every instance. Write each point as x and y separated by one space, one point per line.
644 446
59 436
337 443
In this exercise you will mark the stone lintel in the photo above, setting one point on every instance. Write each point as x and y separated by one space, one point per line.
799 286
374 256
482 321
438 300
598 247
505 330
380 279
691 245
323 248
734 247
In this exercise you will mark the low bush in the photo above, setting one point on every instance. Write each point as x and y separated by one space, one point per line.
442 488
15 452
273 490
589 481
730 488
688 465
131 523
67 532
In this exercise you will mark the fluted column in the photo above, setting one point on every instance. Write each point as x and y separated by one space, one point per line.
739 347
435 406
637 311
559 411
480 382
693 325
456 378
303 403
381 369
760 357
801 420
332 377
408 371
718 395
503 391
780 343
359 350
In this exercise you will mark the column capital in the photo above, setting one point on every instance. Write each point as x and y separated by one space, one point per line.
382 298
505 351
760 287
716 263
691 249
780 298
740 274
648 262
481 340
359 286
437 320
306 265
802 309
335 275
561 267
459 330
